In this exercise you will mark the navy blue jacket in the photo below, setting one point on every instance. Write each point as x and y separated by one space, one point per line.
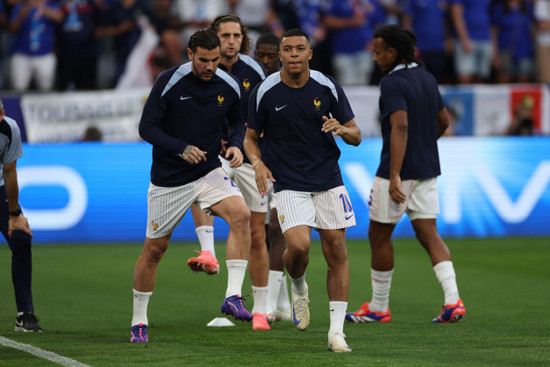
181 110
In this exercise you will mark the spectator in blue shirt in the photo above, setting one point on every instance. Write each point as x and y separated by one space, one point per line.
473 48
427 19
351 25
512 22
33 24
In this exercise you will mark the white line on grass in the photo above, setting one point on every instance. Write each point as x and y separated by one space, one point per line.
44 354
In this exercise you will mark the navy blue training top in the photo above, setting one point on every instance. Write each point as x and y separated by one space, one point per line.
301 156
181 110
413 90
249 73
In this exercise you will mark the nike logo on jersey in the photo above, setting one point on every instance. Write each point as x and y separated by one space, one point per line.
182 98
277 109
349 216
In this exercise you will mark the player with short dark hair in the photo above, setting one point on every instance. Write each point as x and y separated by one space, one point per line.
413 119
267 52
14 225
183 120
298 111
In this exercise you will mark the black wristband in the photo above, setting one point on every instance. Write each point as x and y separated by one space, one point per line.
17 212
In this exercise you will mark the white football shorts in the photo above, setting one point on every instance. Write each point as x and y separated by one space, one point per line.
329 209
166 206
244 177
422 200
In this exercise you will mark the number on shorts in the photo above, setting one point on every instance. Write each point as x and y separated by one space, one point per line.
347 204
230 180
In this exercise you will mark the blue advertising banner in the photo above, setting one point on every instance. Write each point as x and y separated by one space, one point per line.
97 192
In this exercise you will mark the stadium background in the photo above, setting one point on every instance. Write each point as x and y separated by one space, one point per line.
93 192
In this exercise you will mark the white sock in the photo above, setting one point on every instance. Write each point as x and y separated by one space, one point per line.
446 276
283 302
337 315
206 238
141 300
260 299
299 285
236 270
273 289
381 284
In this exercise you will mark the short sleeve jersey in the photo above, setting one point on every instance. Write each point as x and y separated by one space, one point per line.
415 91
301 156
10 143
182 109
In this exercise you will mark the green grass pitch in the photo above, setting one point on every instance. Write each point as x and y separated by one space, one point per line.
82 294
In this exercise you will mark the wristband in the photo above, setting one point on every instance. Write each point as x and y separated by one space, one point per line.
17 212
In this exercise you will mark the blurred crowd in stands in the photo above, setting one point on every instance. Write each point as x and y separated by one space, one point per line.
63 45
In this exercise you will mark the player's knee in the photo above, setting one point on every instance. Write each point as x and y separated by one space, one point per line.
422 238
20 242
336 251
376 238
240 218
340 253
425 234
155 255
299 249
258 237
154 250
